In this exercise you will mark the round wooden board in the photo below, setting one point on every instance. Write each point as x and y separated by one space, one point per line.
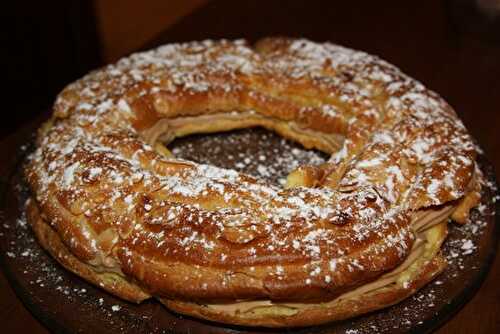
67 304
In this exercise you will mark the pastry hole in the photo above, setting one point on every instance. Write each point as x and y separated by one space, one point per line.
255 151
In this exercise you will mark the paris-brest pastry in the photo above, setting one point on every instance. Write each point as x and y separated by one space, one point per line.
357 233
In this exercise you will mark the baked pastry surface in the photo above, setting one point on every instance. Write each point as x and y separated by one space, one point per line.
358 233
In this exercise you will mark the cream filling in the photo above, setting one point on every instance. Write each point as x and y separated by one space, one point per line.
389 278
425 219
167 129
429 225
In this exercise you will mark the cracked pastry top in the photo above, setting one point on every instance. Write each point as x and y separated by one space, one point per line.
357 233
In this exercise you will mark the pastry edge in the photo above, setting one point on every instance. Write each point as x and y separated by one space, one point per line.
317 314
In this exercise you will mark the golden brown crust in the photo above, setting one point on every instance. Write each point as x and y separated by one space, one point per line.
51 242
312 314
117 205
383 292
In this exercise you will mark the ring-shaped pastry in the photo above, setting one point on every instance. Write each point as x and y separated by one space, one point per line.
358 233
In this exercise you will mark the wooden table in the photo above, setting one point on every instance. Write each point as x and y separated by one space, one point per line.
420 38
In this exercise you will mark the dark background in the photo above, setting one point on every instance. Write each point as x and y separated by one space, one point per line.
452 46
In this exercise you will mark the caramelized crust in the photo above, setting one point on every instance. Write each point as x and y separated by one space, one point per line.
120 203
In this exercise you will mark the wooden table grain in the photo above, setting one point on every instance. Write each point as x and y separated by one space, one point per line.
422 38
